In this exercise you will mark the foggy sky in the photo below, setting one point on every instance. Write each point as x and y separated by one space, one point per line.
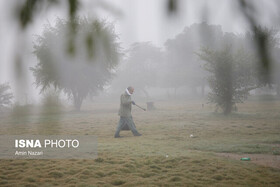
135 21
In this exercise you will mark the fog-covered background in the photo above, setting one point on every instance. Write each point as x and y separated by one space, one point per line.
90 51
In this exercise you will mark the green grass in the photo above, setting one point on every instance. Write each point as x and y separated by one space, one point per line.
164 156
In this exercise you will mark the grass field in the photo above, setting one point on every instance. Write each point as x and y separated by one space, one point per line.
165 155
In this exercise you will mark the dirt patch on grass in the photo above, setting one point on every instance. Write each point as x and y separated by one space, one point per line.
260 159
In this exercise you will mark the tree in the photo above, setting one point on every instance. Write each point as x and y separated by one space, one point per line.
84 71
182 66
5 96
231 76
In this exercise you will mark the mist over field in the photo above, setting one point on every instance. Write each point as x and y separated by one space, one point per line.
202 79
158 48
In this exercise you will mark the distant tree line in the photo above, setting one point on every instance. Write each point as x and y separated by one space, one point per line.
203 55
200 49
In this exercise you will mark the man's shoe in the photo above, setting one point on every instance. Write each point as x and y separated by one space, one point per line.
138 134
117 136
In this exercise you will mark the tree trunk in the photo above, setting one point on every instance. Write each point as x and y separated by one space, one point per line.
278 90
202 90
77 102
227 109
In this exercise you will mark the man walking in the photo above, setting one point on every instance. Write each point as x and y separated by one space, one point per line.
125 113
